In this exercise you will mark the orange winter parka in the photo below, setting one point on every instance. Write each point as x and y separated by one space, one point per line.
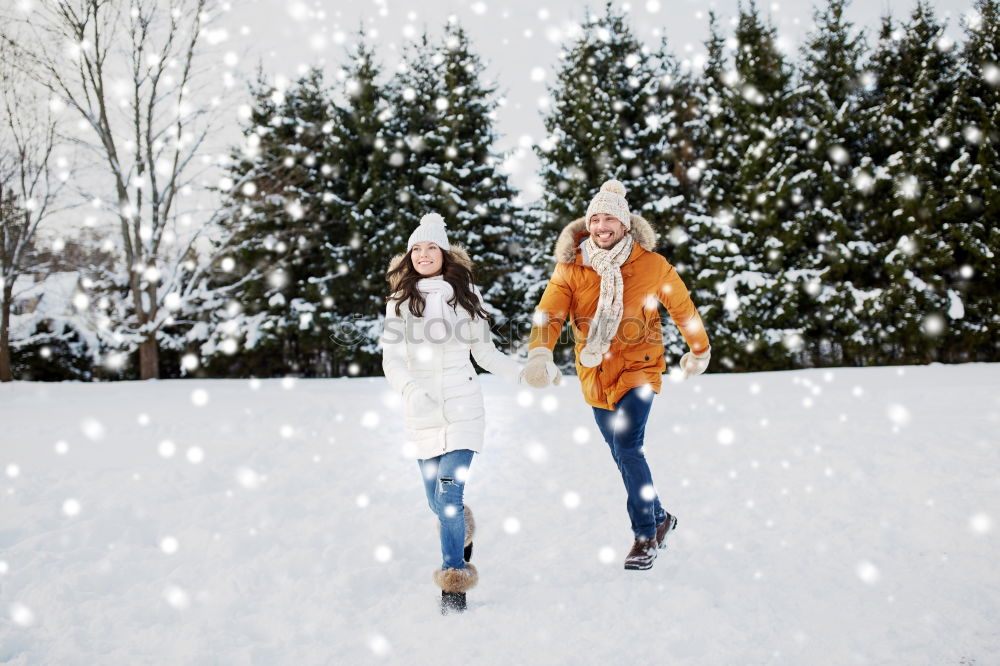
635 357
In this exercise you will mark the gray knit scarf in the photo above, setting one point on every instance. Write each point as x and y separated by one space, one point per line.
604 325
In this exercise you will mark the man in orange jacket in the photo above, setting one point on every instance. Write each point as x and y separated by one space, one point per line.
609 281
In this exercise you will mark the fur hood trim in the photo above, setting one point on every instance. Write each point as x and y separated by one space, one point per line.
571 237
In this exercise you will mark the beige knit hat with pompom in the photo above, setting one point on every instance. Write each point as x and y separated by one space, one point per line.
611 201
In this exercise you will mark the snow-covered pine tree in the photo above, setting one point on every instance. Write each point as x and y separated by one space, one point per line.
820 247
971 189
766 111
283 226
615 113
746 119
712 248
443 126
362 192
911 152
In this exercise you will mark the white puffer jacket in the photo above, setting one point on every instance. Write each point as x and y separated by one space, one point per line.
444 370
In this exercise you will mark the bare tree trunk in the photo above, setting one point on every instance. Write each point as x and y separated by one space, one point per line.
149 358
5 371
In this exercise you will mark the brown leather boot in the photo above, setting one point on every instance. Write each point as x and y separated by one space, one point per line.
663 528
642 554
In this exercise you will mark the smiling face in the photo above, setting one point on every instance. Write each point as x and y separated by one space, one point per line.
606 230
427 258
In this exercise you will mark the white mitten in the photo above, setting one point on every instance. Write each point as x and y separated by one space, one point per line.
540 371
694 364
418 400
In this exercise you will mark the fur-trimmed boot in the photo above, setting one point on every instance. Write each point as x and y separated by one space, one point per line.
470 531
454 583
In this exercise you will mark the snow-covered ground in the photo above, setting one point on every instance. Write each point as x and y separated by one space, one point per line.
826 517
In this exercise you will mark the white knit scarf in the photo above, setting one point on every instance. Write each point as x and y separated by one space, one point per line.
604 325
441 318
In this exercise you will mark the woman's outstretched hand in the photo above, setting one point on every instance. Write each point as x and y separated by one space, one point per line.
540 371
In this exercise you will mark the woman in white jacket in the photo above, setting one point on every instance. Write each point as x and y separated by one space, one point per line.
434 319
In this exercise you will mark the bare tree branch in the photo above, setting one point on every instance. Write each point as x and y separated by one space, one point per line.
133 71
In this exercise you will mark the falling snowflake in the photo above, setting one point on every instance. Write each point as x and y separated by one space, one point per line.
93 429
972 134
383 554
21 615
511 525
934 324
71 507
199 397
981 523
169 545
908 187
189 362
898 414
379 645
525 398
864 181
177 597
839 155
793 342
868 572
991 74
370 420
536 452
167 449
248 478
571 499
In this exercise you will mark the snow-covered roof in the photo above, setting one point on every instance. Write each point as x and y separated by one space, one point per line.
51 296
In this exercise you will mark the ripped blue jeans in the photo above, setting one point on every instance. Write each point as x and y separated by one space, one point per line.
444 482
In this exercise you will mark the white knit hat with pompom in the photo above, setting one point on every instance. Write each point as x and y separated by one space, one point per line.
431 229
611 201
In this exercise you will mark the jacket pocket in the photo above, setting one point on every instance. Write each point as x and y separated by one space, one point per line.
641 366
468 407
420 419
590 382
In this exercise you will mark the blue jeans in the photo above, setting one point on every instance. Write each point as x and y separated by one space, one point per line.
624 429
444 482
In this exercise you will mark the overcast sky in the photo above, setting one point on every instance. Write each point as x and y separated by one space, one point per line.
519 40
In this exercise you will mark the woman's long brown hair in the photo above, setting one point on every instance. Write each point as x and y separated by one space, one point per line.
404 277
